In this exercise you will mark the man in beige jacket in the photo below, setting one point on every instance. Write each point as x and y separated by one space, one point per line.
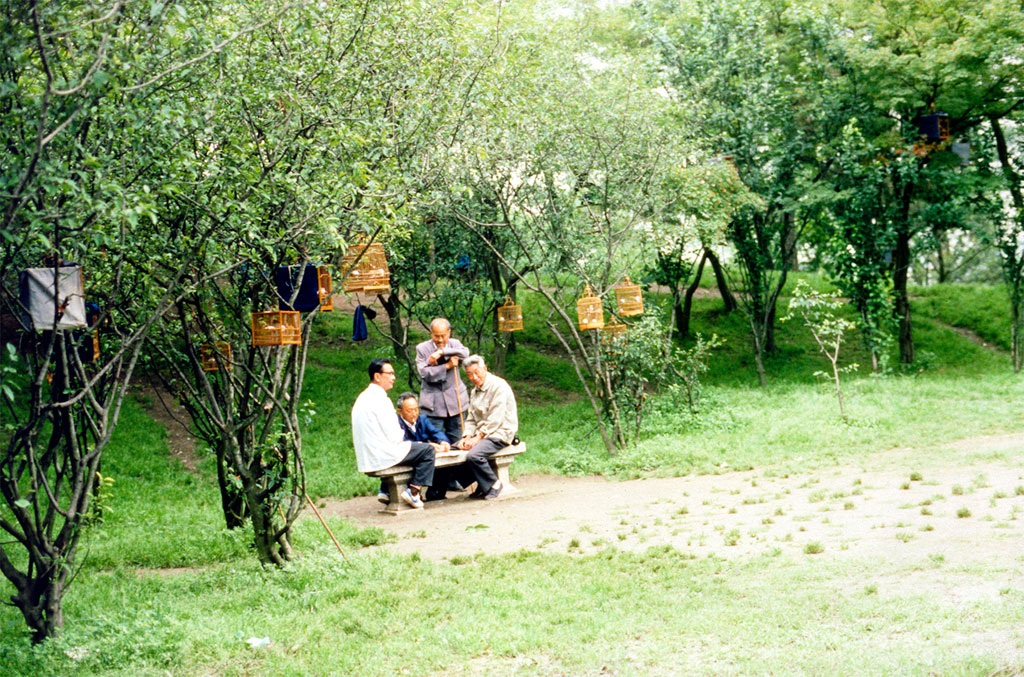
491 424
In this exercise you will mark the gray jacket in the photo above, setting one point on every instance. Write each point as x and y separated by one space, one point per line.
437 391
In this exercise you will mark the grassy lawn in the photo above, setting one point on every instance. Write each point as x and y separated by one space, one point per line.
656 612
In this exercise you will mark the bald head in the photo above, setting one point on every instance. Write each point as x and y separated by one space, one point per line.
440 332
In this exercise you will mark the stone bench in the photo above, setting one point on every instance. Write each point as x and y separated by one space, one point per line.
396 478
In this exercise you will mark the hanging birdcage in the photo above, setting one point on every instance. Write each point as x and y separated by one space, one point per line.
589 311
276 328
323 276
365 268
510 316
630 298
934 127
314 288
610 332
208 356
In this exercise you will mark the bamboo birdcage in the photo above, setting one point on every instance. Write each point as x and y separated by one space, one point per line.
276 328
366 267
589 311
324 288
630 298
510 316
613 331
208 356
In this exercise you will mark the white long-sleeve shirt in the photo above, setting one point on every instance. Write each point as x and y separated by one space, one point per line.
376 434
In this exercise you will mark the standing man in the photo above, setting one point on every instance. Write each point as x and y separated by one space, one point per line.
442 396
491 425
378 437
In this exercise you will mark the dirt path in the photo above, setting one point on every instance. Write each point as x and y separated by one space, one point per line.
873 507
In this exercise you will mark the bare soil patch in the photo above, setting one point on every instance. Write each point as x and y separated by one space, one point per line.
163 409
964 506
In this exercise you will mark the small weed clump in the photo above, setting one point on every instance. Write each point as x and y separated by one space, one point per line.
963 512
915 477
814 548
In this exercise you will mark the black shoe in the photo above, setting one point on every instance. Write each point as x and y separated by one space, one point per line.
478 494
494 492
435 494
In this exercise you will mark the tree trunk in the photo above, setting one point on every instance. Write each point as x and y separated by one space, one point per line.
902 302
723 286
683 313
762 375
1012 264
789 235
770 346
399 335
232 502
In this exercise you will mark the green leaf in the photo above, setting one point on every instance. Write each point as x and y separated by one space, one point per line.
23 504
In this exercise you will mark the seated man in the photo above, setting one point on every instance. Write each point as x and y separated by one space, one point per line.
491 425
378 438
419 428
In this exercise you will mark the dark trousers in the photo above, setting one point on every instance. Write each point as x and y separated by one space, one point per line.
421 458
478 458
451 426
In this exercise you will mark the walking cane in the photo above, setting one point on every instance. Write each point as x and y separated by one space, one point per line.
329 532
458 398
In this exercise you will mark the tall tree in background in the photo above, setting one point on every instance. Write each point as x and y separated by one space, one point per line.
757 75
911 59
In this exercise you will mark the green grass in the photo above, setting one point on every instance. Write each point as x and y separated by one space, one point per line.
525 613
981 308
532 613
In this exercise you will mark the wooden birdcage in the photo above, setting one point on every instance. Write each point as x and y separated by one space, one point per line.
323 276
589 311
276 328
630 298
611 332
366 267
510 316
208 356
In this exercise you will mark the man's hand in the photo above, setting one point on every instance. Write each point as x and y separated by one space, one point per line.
434 357
469 441
439 447
453 363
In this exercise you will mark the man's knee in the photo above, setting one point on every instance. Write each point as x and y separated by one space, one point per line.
476 455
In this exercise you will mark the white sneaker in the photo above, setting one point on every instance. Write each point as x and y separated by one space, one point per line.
383 497
414 501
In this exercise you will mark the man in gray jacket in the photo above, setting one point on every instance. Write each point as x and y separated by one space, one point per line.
443 398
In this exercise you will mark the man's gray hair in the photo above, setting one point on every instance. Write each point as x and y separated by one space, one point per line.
473 359
446 324
404 396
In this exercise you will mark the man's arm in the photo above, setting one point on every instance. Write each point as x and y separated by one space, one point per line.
430 430
434 374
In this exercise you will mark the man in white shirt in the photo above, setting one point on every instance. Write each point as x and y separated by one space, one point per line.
378 438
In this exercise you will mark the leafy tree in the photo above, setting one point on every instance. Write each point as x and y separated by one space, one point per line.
912 59
88 108
757 75
574 158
